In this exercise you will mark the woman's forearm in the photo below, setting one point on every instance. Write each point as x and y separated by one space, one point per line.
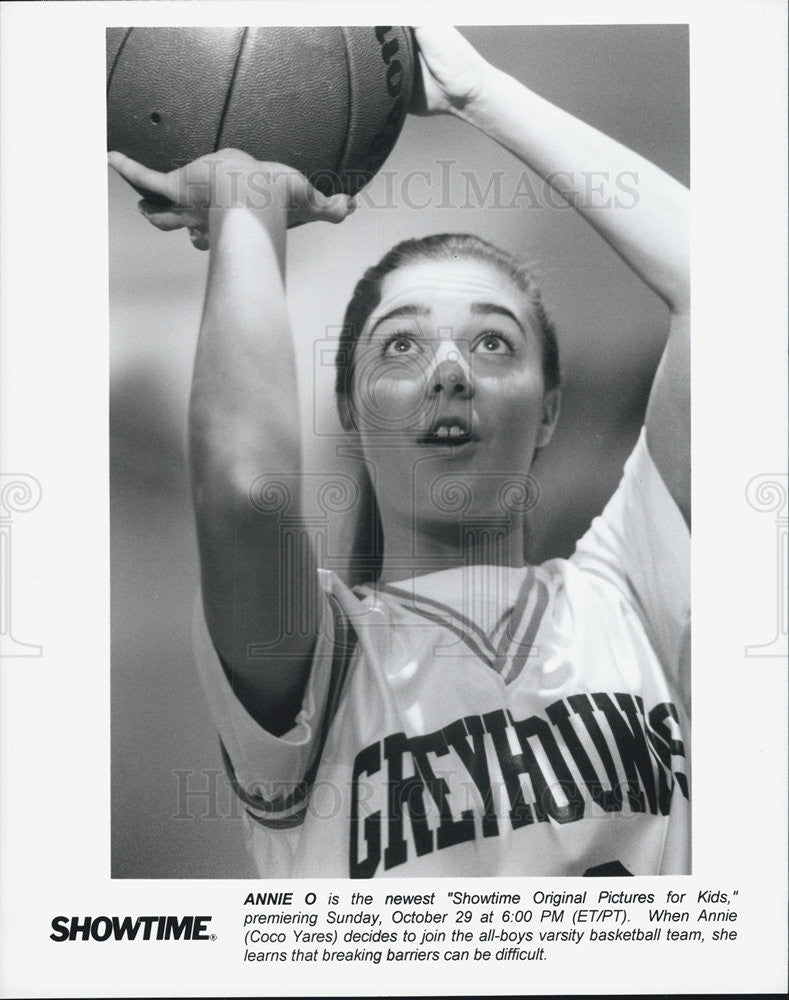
244 426
243 408
647 225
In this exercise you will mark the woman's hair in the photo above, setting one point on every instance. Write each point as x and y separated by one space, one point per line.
442 246
367 554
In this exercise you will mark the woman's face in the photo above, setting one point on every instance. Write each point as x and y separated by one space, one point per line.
449 391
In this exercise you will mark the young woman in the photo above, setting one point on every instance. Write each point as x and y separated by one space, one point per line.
461 712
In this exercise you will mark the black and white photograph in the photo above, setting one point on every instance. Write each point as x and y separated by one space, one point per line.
378 402
440 630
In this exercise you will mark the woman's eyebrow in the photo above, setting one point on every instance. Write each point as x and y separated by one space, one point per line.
407 310
476 309
491 308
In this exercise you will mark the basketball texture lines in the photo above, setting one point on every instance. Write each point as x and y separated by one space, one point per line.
329 101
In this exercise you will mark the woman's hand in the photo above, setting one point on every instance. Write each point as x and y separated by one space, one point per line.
227 179
454 75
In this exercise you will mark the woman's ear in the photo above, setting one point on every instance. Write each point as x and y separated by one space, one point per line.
551 404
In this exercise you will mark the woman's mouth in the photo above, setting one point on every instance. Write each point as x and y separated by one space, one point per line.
447 430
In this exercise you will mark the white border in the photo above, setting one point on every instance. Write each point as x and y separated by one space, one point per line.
55 716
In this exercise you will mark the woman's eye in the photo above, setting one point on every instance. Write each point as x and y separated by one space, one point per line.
399 344
493 343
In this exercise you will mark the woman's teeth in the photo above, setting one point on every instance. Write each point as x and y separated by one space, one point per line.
453 432
447 433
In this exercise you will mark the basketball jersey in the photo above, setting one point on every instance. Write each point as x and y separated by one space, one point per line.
487 720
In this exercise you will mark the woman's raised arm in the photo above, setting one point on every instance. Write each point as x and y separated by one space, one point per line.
244 425
649 229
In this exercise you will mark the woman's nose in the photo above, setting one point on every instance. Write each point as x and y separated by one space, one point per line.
451 373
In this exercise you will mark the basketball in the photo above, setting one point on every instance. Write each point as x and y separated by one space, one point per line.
329 101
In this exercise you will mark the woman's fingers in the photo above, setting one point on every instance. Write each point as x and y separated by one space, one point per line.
223 180
307 204
199 239
166 219
143 177
334 208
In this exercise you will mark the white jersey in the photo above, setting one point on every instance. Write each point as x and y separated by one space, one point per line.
489 720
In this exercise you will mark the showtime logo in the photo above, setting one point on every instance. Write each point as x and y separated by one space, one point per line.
160 928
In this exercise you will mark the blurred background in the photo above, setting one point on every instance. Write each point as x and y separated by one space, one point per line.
173 813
